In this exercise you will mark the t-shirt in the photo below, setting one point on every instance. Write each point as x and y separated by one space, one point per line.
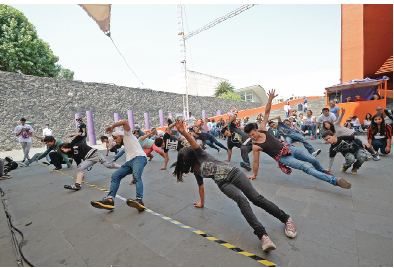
80 128
283 130
131 146
308 121
146 143
360 99
171 142
47 132
210 167
160 133
330 118
191 120
110 142
345 145
355 122
335 110
209 124
300 107
202 136
24 136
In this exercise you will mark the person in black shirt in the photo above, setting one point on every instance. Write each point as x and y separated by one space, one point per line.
81 131
232 182
351 148
207 137
85 157
237 138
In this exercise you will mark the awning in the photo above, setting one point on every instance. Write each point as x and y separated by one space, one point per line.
367 82
386 67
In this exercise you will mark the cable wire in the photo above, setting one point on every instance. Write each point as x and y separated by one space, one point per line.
126 61
15 244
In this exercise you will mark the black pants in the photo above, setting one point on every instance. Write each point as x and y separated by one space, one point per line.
114 149
245 150
237 186
56 159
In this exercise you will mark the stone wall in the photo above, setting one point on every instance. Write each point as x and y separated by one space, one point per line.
50 100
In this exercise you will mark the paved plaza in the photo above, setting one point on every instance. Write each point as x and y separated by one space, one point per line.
336 227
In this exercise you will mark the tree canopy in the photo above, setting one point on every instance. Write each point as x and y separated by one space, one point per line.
223 87
230 95
65 74
21 50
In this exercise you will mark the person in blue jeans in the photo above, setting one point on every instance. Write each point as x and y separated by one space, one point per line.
135 163
379 134
287 156
291 135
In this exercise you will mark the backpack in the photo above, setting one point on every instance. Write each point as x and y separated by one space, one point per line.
9 163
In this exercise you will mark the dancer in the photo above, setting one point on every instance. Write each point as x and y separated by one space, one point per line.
233 183
81 131
149 145
83 152
341 131
237 138
24 132
135 163
53 149
287 156
351 148
207 137
110 144
379 134
290 135
169 141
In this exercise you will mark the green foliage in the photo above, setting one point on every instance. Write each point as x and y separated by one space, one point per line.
230 95
20 48
223 87
65 74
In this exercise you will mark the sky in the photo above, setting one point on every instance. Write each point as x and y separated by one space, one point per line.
292 48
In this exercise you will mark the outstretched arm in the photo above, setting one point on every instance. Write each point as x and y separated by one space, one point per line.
271 96
123 123
232 119
256 159
181 129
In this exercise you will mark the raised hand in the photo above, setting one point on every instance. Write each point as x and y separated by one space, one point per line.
271 94
179 126
109 129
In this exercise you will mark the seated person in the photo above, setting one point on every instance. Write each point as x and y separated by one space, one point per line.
357 97
356 123
309 124
376 96
379 134
349 99
348 123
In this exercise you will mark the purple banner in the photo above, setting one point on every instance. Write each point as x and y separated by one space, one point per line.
161 116
130 116
147 125
116 118
365 92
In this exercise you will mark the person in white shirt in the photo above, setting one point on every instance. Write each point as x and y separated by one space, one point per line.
325 116
47 131
209 124
356 123
287 109
191 119
24 132
135 163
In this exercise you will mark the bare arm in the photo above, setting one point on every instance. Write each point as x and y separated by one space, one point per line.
168 130
202 197
181 129
256 159
123 123
274 118
165 155
271 96
232 119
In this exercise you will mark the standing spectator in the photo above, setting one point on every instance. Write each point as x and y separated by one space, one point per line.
358 98
356 123
305 102
309 124
349 99
379 134
287 109
24 132
387 115
367 121
190 120
47 131
209 124
334 109
300 108
81 131
376 96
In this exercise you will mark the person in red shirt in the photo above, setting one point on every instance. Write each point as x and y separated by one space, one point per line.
358 98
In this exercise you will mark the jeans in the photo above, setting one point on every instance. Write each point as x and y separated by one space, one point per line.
296 160
48 157
311 127
121 152
236 187
298 137
211 140
26 149
380 144
28 162
245 150
134 166
287 114
356 159
356 128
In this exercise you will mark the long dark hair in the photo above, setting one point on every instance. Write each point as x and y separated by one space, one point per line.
370 116
185 163
332 128
66 145
374 128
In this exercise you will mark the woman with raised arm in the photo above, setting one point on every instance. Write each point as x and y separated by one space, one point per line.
232 182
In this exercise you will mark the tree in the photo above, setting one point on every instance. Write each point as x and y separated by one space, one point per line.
65 74
21 51
223 87
230 95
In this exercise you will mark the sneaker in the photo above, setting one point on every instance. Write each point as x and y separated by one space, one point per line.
313 137
105 203
327 172
290 229
354 171
343 183
114 160
75 187
376 157
343 170
23 164
267 244
57 168
137 203
245 166
46 163
316 153
5 177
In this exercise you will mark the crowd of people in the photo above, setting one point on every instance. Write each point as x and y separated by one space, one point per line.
272 136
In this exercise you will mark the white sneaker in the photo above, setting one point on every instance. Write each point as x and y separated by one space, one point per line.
316 153
290 230
267 244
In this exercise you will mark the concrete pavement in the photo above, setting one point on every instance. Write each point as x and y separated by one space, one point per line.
336 227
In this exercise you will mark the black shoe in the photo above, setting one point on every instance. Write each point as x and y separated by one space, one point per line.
75 187
45 163
246 166
105 203
58 168
137 203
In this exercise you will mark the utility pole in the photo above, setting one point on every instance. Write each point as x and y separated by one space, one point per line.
182 54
